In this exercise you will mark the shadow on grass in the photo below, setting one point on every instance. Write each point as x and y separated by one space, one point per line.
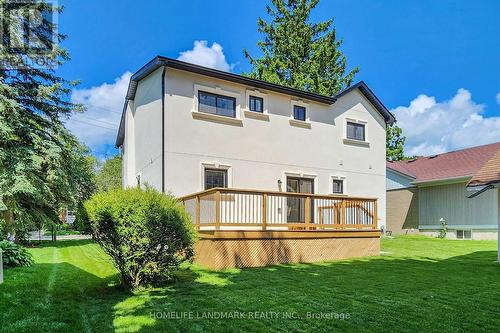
460 293
61 243
378 294
57 297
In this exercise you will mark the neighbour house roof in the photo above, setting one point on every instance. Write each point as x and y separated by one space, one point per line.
481 163
489 172
160 61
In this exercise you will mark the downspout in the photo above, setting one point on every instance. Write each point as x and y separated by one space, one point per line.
163 78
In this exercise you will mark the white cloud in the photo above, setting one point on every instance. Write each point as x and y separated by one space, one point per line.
203 55
433 127
97 127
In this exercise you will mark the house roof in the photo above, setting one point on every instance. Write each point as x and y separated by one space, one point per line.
456 164
160 61
489 172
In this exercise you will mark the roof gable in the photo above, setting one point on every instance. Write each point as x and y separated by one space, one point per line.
461 163
489 172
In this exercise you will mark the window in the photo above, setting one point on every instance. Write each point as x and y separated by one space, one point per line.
299 113
338 186
464 234
215 178
355 131
216 104
256 104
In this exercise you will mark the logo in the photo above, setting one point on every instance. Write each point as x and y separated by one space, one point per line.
28 32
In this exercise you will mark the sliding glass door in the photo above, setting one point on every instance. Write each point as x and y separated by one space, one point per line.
295 205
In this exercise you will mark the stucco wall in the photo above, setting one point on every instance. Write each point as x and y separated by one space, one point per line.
147 127
259 152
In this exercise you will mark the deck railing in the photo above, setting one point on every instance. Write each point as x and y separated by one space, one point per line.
241 209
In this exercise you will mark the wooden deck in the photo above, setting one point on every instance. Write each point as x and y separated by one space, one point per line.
247 228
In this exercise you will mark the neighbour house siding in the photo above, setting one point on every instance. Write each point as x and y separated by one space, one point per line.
451 203
260 152
402 211
397 181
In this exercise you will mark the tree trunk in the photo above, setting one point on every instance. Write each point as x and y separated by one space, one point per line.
54 233
8 217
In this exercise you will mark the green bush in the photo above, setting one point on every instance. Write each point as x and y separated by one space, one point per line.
82 222
147 234
15 255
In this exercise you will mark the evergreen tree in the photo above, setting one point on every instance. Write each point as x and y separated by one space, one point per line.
299 53
395 141
42 166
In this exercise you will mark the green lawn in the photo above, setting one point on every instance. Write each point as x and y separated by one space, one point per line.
418 284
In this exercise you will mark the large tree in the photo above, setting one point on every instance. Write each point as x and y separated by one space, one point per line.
109 176
305 55
43 166
395 141
299 53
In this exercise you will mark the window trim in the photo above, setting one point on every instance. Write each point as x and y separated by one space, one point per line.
254 96
216 91
356 124
344 184
340 183
302 107
217 170
216 166
217 96
356 142
299 123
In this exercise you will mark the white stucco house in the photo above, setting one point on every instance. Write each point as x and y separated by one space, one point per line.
187 128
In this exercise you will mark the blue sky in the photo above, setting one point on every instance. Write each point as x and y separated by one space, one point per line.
434 63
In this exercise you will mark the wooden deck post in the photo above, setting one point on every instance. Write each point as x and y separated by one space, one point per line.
375 215
320 218
264 211
217 210
307 212
197 213
344 217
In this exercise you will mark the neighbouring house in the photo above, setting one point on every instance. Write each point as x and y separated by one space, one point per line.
459 188
272 163
67 216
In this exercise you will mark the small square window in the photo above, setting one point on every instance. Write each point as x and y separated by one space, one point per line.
256 104
464 234
299 112
338 186
355 131
215 178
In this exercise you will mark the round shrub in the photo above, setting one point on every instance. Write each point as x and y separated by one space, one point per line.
147 234
15 255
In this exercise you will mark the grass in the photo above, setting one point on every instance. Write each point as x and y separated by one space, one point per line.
418 284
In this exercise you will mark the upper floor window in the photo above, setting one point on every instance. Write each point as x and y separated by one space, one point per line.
256 104
338 186
215 178
299 112
216 104
355 131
